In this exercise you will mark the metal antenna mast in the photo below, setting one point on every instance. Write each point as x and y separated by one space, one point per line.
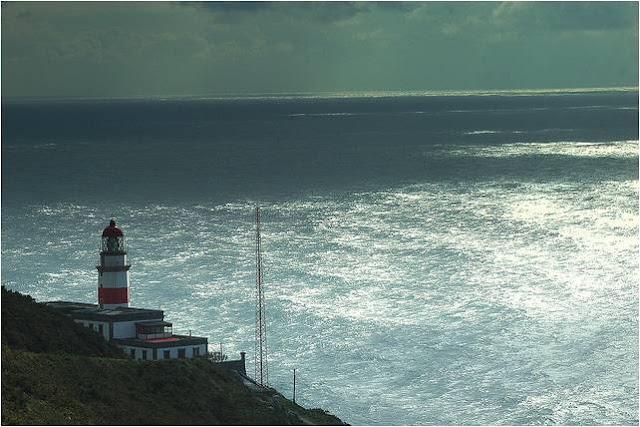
260 353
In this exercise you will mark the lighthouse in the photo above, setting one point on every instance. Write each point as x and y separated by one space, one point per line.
113 271
141 333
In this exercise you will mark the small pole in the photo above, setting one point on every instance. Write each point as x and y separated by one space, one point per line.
294 385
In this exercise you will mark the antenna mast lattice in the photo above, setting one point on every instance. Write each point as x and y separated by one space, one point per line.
260 353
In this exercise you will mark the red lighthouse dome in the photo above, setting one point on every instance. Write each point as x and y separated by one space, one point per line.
112 230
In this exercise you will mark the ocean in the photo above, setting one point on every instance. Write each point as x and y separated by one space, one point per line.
428 259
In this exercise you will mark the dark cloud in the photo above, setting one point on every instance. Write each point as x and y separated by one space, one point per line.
329 12
403 6
324 12
229 6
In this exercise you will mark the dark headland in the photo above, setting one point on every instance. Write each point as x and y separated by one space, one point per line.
55 371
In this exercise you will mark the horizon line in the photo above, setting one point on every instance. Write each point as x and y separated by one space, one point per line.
330 94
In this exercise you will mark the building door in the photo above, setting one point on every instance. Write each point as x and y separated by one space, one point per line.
182 353
167 354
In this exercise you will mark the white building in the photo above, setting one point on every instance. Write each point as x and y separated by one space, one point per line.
141 333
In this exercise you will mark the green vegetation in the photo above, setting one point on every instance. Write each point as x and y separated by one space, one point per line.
49 379
29 326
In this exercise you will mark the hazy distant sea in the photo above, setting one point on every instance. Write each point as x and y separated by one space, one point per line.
429 259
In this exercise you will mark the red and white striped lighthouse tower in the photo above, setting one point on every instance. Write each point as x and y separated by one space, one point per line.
113 278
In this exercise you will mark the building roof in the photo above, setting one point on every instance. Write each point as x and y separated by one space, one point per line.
172 341
83 311
154 323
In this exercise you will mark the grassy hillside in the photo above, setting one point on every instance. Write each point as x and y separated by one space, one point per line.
46 381
29 326
69 389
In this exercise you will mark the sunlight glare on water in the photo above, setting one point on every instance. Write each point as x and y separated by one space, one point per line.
497 302
437 259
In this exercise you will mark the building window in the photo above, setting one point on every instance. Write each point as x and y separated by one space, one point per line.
167 354
196 351
133 353
101 329
182 353
144 354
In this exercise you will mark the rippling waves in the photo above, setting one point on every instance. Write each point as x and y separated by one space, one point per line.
480 301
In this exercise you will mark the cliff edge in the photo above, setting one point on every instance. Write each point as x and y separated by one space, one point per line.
57 372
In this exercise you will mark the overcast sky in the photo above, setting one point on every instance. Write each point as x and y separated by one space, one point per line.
155 49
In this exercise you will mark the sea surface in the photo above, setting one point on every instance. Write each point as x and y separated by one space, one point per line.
445 259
